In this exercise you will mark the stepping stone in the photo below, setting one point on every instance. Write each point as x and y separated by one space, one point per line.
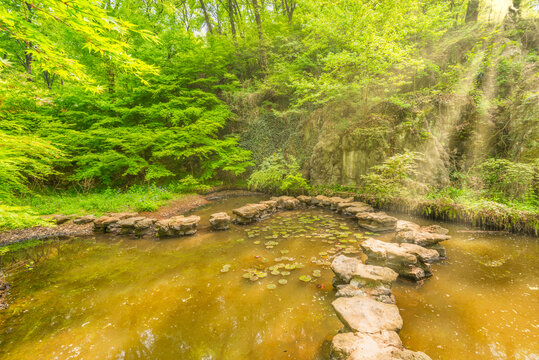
249 213
220 221
376 222
177 226
81 220
364 314
427 236
353 271
385 345
408 260
287 202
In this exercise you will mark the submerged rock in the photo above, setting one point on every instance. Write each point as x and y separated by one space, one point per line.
249 213
385 345
408 260
177 226
366 315
220 221
378 221
353 271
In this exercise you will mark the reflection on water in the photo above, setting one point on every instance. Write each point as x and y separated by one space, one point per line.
186 298
481 303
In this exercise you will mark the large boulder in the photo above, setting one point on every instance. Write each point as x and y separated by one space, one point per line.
249 213
177 226
220 221
385 345
366 315
408 260
377 221
354 272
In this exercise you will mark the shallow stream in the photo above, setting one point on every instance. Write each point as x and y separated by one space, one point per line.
257 292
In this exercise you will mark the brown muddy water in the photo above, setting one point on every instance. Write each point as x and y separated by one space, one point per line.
257 292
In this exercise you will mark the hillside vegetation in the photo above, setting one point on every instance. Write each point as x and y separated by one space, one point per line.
139 101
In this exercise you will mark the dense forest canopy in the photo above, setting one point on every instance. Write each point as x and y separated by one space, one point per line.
97 94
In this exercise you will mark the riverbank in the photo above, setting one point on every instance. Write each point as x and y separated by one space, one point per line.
486 215
179 205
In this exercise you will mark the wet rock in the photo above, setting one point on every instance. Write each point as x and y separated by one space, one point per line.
366 315
307 200
220 221
349 345
408 260
84 219
177 226
354 210
145 227
380 293
353 271
336 200
249 213
427 236
341 207
321 201
385 345
287 202
377 221
127 226
102 223
271 206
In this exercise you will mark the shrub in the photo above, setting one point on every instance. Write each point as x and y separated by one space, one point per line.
504 178
278 174
396 176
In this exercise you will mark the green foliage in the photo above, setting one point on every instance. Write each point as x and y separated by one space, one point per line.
504 178
18 217
136 198
395 177
278 174
23 158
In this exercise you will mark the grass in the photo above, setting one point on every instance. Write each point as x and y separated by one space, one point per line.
24 212
139 198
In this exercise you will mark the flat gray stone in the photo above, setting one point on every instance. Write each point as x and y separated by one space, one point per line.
352 270
364 314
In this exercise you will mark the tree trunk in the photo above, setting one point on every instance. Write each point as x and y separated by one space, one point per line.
472 12
230 10
206 16
261 46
